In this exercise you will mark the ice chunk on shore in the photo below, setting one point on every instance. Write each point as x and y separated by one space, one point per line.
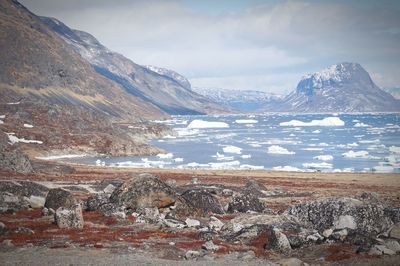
251 167
14 139
287 168
323 157
322 165
58 157
207 124
328 121
356 154
28 126
246 121
232 149
165 155
275 149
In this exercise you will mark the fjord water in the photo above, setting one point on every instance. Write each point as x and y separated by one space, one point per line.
365 143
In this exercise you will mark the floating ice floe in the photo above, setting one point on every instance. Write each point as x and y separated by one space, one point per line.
232 149
28 126
246 156
100 162
178 160
246 121
275 149
323 157
14 139
63 156
222 157
356 154
169 137
207 124
322 165
225 165
312 149
184 132
328 121
361 124
165 155
370 141
394 149
316 131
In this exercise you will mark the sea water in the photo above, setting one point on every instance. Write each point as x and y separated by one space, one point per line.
288 142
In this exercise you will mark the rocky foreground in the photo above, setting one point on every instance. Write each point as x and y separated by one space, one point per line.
142 218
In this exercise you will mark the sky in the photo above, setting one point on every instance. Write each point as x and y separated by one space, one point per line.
238 44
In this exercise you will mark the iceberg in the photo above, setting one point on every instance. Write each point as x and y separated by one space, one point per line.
394 149
232 149
275 149
323 157
246 121
165 156
322 165
326 122
287 168
206 124
356 154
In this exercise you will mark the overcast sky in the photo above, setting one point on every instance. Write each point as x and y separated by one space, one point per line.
254 44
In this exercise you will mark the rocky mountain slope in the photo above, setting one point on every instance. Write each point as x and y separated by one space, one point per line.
62 100
242 100
344 87
165 89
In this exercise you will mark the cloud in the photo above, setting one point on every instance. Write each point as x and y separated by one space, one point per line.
262 45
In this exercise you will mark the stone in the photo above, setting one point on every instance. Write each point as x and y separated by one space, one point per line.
385 250
393 212
245 203
215 224
192 254
249 255
227 192
69 217
24 230
119 215
195 181
292 262
203 200
58 197
3 228
254 188
367 218
173 223
374 252
35 201
393 245
345 221
151 214
109 189
395 231
94 202
327 233
7 243
192 222
278 241
210 246
340 235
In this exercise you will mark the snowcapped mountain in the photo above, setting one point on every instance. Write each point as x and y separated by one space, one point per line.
184 82
344 87
243 100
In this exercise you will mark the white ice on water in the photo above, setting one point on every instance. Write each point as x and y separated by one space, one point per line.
206 124
275 149
328 121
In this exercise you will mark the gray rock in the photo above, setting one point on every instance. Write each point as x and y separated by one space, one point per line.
210 246
227 192
12 158
249 255
393 245
395 231
151 214
215 224
192 254
93 203
393 212
385 250
203 200
278 241
3 228
244 203
192 222
324 214
109 189
292 262
254 188
24 230
7 243
58 197
173 223
69 217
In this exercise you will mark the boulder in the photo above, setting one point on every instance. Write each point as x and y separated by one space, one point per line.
393 245
148 191
254 188
395 231
215 224
393 212
210 246
144 191
94 202
278 241
58 197
244 203
69 217
192 254
342 213
3 228
192 222
203 200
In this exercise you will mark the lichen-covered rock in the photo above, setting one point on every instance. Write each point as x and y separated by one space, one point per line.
58 197
69 217
278 241
203 200
395 231
244 203
94 202
3 228
148 191
393 212
215 224
254 188
343 213
12 158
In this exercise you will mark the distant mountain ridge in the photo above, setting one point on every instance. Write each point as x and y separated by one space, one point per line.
343 87
242 100
163 88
